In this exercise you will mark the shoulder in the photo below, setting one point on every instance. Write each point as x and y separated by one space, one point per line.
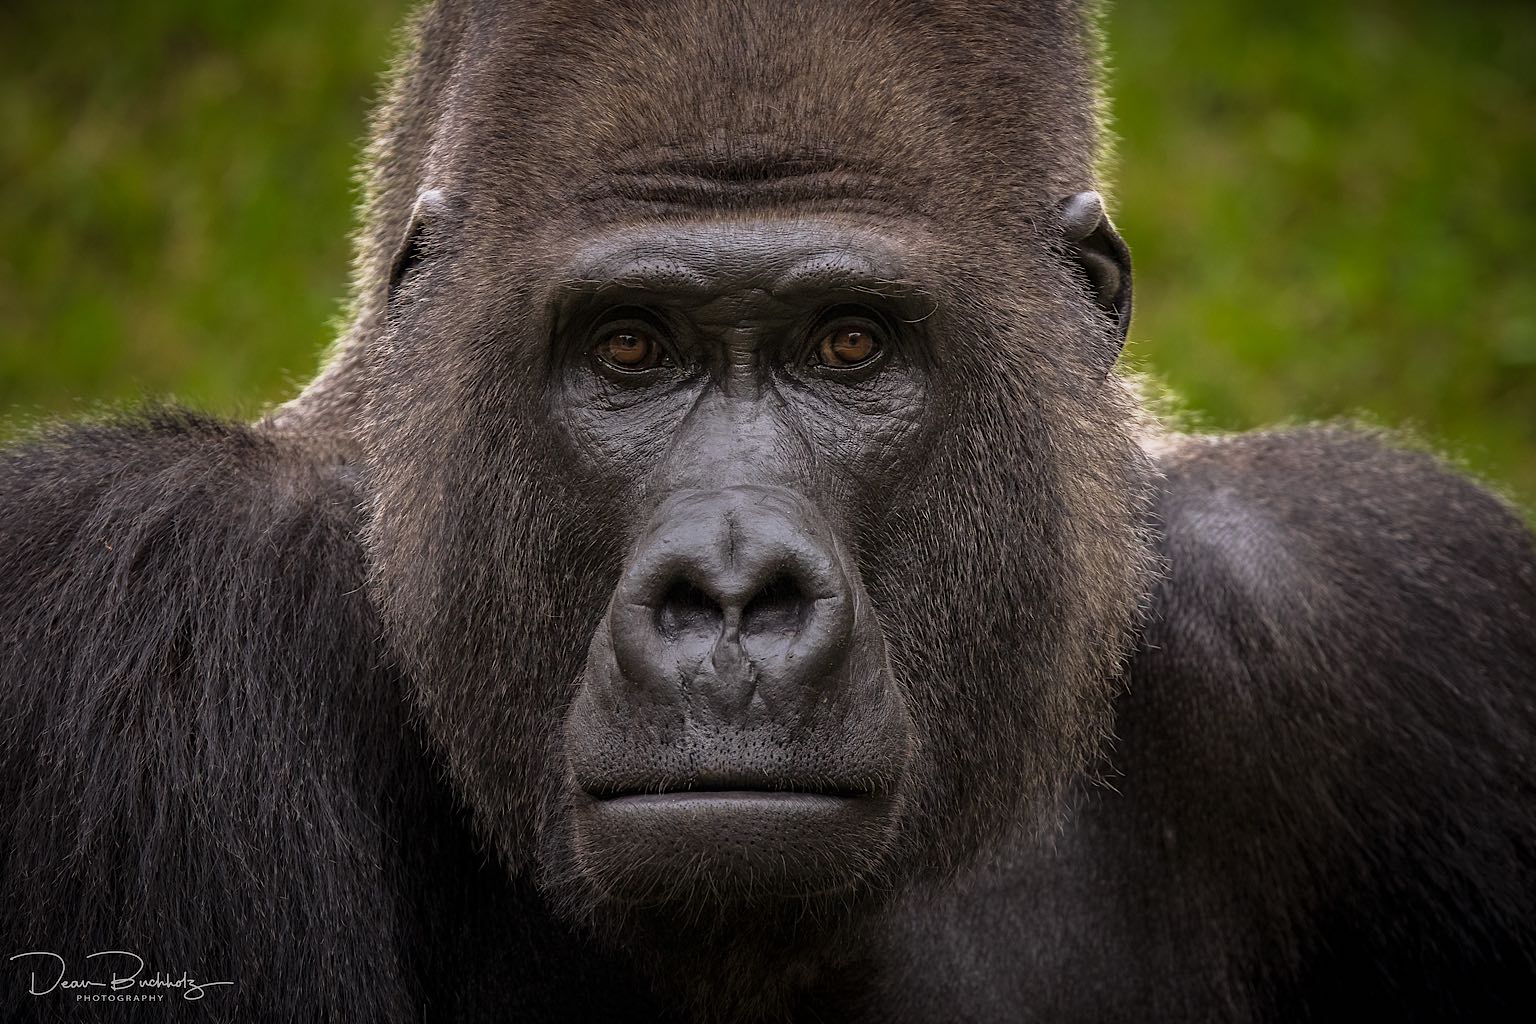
174 536
1371 587
157 466
1338 681
1346 527
194 715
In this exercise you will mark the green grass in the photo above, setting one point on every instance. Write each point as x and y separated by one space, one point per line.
179 194
1332 210
1332 206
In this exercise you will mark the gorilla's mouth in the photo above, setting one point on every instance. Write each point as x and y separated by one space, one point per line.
739 784
707 798
695 805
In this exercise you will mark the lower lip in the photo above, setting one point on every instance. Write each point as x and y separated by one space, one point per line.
729 845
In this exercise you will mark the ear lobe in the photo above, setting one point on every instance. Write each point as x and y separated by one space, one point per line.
430 206
1101 254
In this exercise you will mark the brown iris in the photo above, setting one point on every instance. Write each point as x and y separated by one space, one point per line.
845 347
630 350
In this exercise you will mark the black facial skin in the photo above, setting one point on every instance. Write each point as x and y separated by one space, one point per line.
738 725
724 575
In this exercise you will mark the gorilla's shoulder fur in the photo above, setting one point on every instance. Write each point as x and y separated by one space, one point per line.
1355 622
194 727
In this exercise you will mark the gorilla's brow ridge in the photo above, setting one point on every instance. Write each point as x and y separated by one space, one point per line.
897 289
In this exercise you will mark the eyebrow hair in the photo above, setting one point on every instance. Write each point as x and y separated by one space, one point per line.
637 276
891 289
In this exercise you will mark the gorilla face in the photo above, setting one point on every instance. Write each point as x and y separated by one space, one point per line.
739 561
758 523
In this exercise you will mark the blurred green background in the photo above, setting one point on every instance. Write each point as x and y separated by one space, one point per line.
1332 206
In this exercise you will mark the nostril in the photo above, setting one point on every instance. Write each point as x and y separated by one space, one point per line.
779 607
684 609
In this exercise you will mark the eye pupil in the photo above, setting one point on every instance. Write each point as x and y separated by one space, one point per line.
847 347
630 350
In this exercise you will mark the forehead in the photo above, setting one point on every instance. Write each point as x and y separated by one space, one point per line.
615 109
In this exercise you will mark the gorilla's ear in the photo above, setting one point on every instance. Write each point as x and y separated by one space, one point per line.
1102 255
431 207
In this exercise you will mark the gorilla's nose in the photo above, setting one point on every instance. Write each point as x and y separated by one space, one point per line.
730 595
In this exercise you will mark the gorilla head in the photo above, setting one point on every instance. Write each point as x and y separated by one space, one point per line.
753 503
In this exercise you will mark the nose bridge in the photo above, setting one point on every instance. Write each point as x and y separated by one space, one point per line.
738 435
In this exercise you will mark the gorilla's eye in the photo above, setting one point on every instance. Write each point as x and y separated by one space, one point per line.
844 347
630 350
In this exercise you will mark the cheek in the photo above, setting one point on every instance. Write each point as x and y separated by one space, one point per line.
619 435
868 437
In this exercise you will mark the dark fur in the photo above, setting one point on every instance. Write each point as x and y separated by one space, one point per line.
283 704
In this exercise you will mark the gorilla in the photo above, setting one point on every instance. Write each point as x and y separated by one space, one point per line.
721 574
